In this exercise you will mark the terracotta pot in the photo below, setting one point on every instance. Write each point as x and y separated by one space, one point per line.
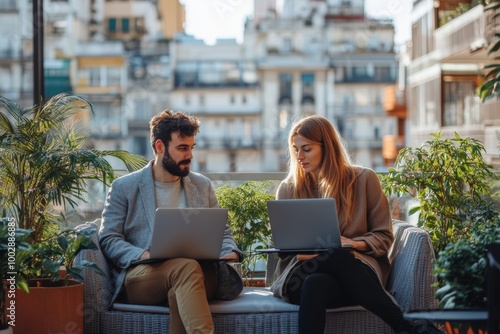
255 282
49 308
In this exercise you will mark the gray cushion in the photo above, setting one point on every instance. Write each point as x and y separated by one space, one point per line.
251 300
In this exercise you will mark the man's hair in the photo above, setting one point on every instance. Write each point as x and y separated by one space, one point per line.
165 123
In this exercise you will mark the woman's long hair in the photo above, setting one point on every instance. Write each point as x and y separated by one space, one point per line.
336 177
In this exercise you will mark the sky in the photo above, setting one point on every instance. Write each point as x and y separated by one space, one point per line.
212 19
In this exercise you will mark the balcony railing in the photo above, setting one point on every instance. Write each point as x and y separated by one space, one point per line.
465 33
349 110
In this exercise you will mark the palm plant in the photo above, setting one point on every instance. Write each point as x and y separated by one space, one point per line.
44 162
491 86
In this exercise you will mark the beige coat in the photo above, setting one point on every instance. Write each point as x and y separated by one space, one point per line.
371 223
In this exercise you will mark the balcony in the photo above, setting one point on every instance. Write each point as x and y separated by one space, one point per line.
346 110
464 38
344 12
229 143
211 80
395 102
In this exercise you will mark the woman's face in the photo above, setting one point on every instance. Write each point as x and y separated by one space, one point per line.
309 155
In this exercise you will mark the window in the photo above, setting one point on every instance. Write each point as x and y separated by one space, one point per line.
307 87
94 74
285 86
125 25
114 76
141 145
112 25
459 100
142 106
287 45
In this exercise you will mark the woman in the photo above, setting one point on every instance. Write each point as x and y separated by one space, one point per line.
320 167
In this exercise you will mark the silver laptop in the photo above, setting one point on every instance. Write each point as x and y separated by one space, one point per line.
304 225
194 233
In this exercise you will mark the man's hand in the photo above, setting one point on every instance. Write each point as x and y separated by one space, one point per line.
146 255
231 256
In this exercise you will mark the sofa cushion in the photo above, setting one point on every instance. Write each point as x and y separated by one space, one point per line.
251 300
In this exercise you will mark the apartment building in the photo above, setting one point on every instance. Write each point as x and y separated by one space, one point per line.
219 85
327 58
448 53
298 57
65 24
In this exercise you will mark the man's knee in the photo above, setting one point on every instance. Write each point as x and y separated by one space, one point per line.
187 267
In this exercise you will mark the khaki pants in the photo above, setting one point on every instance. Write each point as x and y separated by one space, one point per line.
185 284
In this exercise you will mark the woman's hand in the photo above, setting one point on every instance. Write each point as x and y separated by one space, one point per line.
305 257
360 246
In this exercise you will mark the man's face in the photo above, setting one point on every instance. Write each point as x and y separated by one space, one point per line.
177 157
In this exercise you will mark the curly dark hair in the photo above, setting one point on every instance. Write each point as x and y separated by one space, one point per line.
165 123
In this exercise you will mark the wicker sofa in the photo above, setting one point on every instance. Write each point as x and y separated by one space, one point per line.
256 310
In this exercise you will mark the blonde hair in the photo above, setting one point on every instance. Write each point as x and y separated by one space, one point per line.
336 177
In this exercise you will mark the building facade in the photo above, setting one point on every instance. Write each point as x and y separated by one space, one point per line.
132 60
448 54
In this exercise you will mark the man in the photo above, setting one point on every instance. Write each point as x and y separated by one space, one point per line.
127 221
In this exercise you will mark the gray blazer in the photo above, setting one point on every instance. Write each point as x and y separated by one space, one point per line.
128 218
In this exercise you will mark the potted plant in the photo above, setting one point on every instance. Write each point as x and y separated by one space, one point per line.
12 247
462 264
446 176
452 184
43 165
248 219
462 267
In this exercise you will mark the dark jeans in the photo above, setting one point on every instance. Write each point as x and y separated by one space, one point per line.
334 279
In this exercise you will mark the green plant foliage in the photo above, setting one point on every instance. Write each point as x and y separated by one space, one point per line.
44 163
447 176
248 217
461 265
60 250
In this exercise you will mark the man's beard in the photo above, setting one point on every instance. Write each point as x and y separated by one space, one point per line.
173 167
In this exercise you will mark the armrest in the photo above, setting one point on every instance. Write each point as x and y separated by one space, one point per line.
411 278
98 288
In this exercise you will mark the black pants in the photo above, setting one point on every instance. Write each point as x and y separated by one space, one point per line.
334 279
